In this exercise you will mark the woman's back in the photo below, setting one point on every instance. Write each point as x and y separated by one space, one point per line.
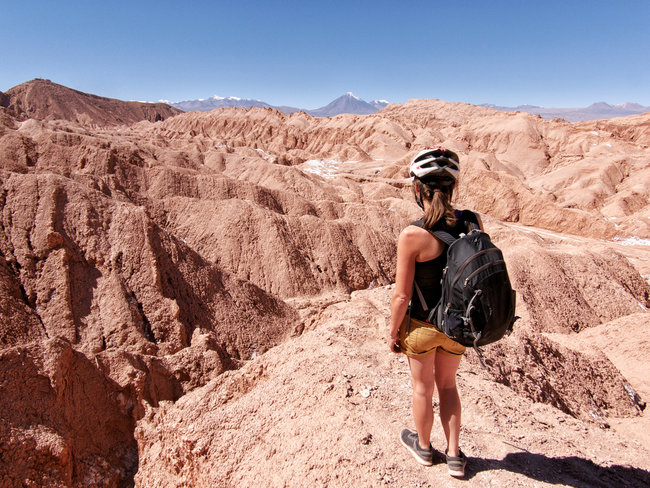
428 273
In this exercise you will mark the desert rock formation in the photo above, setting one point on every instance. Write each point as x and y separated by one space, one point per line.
43 100
202 300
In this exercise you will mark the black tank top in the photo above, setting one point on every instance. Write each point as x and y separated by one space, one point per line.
429 273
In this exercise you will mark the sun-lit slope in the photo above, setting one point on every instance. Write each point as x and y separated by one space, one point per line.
141 265
600 168
282 228
44 100
327 409
547 173
101 303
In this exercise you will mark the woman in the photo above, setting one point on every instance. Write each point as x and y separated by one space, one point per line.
433 357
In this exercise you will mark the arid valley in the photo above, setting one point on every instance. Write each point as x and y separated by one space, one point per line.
201 299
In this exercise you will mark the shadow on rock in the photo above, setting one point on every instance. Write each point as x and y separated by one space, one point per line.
569 471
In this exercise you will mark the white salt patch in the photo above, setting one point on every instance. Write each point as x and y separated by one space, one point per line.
594 132
632 241
608 144
327 168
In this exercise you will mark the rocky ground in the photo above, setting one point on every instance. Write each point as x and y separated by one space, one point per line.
202 300
327 408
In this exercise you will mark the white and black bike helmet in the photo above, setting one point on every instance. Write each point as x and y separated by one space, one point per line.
435 164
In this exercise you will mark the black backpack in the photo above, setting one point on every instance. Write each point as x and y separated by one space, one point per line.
477 306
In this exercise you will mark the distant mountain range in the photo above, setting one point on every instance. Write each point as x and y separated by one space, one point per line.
43 99
351 104
595 111
345 104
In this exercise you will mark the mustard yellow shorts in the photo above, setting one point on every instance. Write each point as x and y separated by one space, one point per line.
423 339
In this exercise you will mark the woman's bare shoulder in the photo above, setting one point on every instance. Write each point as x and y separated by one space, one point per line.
413 232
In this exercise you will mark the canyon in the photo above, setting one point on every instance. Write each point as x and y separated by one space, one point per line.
201 298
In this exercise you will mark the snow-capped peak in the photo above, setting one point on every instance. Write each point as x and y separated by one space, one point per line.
217 97
233 99
352 95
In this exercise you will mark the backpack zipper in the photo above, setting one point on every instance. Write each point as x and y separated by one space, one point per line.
468 261
485 266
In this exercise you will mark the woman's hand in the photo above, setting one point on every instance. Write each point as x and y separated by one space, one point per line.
393 343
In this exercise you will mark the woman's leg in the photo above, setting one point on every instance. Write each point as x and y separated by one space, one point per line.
423 379
445 376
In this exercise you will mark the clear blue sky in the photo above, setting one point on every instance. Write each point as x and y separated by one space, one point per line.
303 53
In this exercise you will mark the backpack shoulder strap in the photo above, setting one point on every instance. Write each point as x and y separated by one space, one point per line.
445 237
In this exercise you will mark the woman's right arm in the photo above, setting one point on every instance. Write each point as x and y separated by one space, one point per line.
407 251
